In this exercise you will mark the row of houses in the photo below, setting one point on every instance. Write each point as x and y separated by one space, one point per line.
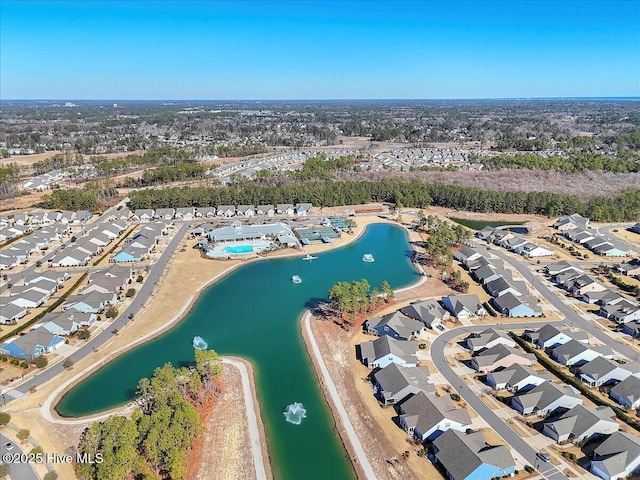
613 306
509 297
140 245
226 211
512 242
36 289
35 241
90 245
427 416
575 228
45 217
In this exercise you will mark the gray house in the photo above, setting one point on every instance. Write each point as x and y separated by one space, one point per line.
487 339
500 355
545 398
395 324
603 371
427 416
582 423
394 383
617 457
429 312
385 350
627 392
517 378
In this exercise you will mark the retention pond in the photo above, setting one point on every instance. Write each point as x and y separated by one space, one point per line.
254 313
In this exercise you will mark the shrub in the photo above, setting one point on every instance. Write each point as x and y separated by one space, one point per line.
528 468
112 312
130 293
455 397
67 363
139 279
24 365
52 475
4 418
37 450
84 334
41 361
23 434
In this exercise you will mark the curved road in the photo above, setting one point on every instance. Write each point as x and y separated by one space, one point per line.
571 315
17 470
136 305
481 408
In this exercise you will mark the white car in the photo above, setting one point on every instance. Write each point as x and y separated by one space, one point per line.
8 446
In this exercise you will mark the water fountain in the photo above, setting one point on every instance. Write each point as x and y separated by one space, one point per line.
199 343
294 413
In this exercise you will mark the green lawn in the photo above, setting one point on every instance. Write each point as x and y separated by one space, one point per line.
480 224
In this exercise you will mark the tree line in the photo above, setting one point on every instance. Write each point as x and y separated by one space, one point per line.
167 174
621 207
354 298
154 442
9 177
578 161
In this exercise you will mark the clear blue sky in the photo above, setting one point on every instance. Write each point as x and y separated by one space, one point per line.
318 50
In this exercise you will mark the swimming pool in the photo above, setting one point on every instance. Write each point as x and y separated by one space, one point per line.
239 249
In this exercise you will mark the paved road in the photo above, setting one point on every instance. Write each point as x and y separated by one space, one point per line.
17 470
505 431
570 315
136 305
617 241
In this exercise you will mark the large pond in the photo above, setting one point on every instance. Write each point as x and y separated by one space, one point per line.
254 313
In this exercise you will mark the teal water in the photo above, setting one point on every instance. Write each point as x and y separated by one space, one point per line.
254 313
239 249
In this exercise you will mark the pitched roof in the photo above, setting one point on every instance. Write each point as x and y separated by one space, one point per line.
516 373
425 410
479 340
580 419
544 395
629 388
425 310
387 345
601 366
403 325
618 452
394 378
497 353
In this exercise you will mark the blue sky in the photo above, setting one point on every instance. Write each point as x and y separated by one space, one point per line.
318 50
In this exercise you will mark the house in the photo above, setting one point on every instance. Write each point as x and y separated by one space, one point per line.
463 306
10 313
517 307
635 228
621 312
19 290
631 268
559 267
33 344
285 209
513 243
396 325
570 222
246 210
82 216
288 241
488 338
385 350
226 211
394 383
563 279
549 336
469 457
531 250
501 286
603 371
32 298
71 258
604 297
500 356
144 214
499 236
429 312
582 423
302 209
516 378
66 323
617 457
627 392
632 328
545 398
165 213
185 213
207 212
583 284
128 255
466 253
93 302
485 233
427 416
577 353
267 210
609 250
473 264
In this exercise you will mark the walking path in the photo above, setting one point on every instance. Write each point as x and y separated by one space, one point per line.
335 398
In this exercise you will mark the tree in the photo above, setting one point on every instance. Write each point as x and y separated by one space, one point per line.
83 334
52 475
112 312
387 291
67 363
4 470
41 361
23 434
130 293
5 418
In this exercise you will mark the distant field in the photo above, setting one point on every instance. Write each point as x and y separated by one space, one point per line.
480 224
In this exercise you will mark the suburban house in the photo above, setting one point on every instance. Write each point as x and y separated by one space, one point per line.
385 350
570 222
485 233
466 254
396 325
582 423
559 267
207 212
516 378
549 336
429 312
267 210
71 258
622 312
577 353
285 209
48 277
545 398
463 306
427 416
517 307
394 383
93 302
469 457
165 213
583 284
31 298
609 250
10 313
66 323
531 250
632 328
500 356
605 297
185 213
246 210
226 211
563 279
32 344
617 457
627 392
488 338
602 371
473 264
489 273
144 214
302 209
501 286
513 243
631 268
